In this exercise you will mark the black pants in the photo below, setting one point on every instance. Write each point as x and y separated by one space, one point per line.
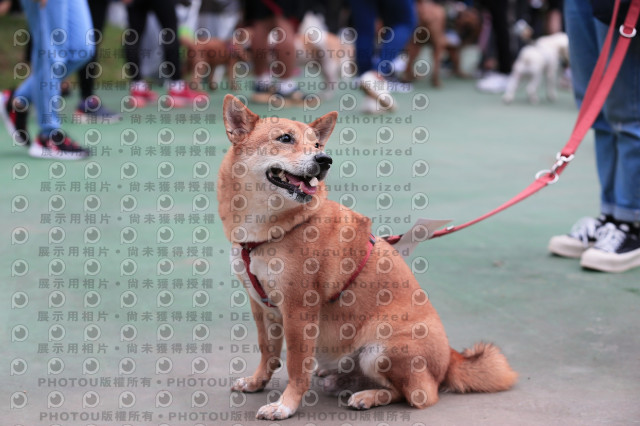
498 10
165 11
86 74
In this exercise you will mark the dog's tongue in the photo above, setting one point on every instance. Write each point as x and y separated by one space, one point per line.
294 180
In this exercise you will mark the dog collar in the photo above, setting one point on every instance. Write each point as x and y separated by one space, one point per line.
246 258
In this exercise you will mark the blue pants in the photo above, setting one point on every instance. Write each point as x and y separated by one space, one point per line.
59 32
399 15
617 128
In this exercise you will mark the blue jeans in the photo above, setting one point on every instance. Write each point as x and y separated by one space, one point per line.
59 32
399 15
617 128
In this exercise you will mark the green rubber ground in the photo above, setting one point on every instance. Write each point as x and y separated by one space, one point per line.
571 334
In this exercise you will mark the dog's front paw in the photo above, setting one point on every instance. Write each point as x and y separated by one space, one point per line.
275 411
248 384
364 400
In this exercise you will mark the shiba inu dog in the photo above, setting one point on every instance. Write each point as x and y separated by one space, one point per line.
345 301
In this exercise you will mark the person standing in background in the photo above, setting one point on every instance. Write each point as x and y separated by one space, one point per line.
375 63
165 11
58 32
90 109
611 242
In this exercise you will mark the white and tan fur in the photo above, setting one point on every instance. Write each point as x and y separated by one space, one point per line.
382 339
539 60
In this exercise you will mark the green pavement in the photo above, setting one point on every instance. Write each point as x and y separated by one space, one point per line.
121 307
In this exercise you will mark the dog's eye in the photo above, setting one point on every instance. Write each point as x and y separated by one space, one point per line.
317 145
286 138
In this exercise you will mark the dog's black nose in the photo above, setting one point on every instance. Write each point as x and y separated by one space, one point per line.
323 160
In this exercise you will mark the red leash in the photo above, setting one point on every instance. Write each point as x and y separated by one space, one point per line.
598 89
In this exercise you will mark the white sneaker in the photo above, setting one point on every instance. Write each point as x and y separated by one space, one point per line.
581 238
376 87
493 83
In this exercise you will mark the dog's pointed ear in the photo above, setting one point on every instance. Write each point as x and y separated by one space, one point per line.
323 126
239 121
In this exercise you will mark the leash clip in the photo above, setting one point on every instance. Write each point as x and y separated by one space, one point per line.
623 34
560 161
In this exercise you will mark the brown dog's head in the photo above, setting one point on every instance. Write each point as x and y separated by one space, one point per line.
287 154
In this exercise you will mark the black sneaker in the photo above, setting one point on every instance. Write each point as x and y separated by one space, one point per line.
14 115
91 111
617 249
581 237
57 146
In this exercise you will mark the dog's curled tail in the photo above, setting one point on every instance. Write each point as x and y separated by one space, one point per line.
480 369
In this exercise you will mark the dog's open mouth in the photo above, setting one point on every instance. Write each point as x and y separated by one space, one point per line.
303 186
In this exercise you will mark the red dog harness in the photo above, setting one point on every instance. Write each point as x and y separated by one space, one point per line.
246 258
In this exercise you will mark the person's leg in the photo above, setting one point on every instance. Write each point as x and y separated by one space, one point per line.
58 31
584 48
400 16
165 11
39 81
498 10
78 24
364 22
622 111
496 82
86 79
137 16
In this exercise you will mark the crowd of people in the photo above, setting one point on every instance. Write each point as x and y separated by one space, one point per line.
386 37
261 33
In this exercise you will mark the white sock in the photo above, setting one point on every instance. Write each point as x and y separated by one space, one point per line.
264 79
399 64
176 84
288 86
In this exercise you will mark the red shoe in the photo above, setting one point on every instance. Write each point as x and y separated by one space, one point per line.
15 119
181 91
57 146
142 92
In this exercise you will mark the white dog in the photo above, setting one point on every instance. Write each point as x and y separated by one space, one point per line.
536 60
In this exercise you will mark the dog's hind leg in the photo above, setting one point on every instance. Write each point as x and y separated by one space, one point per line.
512 86
270 337
532 87
552 83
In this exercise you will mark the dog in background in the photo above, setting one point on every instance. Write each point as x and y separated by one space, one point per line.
346 302
204 56
435 18
541 59
314 42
